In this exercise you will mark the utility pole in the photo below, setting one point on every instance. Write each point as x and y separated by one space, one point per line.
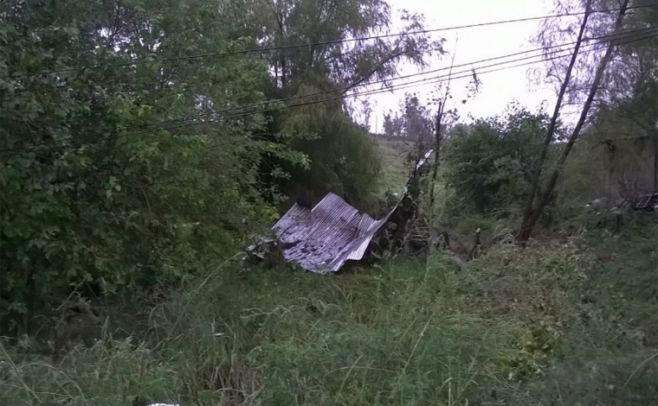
438 135
655 159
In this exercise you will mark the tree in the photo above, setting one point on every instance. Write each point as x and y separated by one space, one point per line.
412 122
629 97
393 125
539 198
319 75
118 166
490 164
327 27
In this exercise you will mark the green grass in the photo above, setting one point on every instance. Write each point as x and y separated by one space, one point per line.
396 170
565 322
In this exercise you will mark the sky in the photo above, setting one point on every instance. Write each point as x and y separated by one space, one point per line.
497 89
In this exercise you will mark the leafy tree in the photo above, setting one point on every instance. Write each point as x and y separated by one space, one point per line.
328 27
617 156
342 158
413 121
138 139
417 119
119 169
626 123
319 75
490 163
393 125
595 74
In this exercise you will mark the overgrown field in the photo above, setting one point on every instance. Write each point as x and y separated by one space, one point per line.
565 322
145 143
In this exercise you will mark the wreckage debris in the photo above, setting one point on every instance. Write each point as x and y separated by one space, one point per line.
323 238
647 202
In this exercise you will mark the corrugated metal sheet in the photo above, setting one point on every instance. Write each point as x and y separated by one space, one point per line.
424 159
323 238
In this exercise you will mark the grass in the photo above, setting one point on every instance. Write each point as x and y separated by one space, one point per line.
396 170
562 322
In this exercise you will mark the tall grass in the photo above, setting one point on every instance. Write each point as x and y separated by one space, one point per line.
533 326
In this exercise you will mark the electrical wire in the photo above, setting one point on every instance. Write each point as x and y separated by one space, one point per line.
455 76
187 122
339 94
330 42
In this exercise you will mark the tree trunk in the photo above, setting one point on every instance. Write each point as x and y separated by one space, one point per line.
526 228
535 213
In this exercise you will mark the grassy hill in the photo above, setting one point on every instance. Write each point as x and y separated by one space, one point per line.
396 168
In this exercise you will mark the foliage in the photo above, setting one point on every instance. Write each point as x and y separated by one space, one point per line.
114 176
617 155
395 173
343 157
594 71
366 338
323 25
615 158
139 140
317 77
489 164
138 144
414 122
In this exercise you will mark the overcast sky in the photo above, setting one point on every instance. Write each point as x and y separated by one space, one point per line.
498 89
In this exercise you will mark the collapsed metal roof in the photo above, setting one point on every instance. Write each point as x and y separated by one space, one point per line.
323 238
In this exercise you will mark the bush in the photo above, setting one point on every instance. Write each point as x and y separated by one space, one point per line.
490 163
99 192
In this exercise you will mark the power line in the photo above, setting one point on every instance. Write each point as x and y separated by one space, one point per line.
186 122
339 94
413 84
241 112
619 35
330 42
435 79
559 54
485 24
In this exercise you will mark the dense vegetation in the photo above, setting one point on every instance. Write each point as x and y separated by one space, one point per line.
144 143
572 321
490 163
139 139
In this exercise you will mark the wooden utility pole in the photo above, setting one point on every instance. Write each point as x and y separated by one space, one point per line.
655 159
438 136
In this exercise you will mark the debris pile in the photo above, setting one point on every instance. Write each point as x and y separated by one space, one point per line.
323 238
